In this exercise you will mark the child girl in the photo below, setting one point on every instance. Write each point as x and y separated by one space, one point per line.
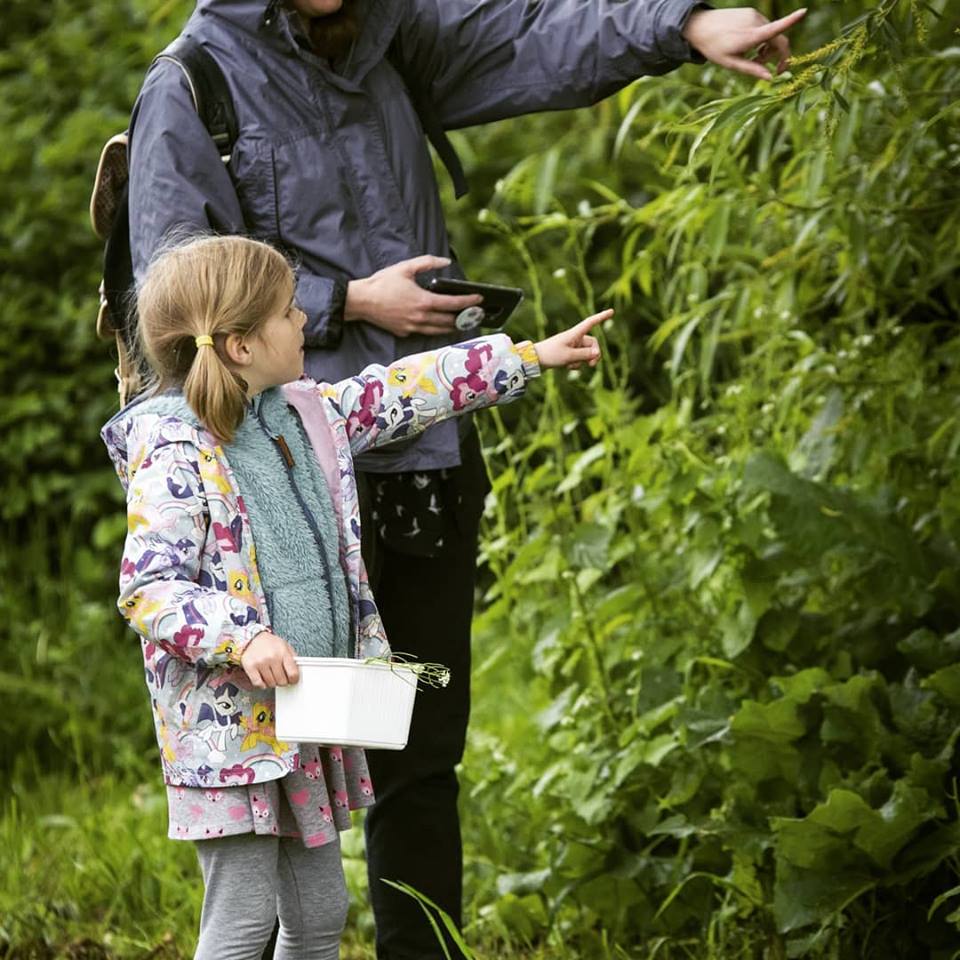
243 551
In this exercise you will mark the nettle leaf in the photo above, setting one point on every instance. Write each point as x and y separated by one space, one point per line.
804 897
558 710
776 722
649 753
946 682
814 454
930 651
590 545
738 630
924 855
523 917
846 827
816 518
580 467
766 766
759 581
703 563
520 884
777 628
851 714
803 685
919 715
686 781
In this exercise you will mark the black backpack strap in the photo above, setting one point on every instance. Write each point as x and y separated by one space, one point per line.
432 127
208 87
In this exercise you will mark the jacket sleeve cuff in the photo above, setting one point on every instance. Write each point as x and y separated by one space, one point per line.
322 299
672 44
242 639
529 361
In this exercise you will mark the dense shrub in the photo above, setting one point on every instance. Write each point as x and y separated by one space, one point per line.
735 562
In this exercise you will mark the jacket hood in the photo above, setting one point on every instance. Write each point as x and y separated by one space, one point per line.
124 443
379 20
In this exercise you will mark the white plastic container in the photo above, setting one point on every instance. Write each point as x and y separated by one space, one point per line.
348 703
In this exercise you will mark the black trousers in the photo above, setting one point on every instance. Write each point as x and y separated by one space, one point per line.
413 831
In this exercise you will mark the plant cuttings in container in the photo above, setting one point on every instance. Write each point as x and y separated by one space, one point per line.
434 675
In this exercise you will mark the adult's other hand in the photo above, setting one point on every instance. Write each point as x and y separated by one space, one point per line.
393 300
725 37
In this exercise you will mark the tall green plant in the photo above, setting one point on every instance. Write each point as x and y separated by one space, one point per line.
68 77
749 668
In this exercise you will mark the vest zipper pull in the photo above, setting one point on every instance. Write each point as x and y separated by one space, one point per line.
284 450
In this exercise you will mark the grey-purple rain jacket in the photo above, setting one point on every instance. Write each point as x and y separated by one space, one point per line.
333 166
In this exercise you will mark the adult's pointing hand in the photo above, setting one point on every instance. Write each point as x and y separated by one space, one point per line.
725 37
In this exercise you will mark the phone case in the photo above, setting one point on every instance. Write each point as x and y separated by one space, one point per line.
498 302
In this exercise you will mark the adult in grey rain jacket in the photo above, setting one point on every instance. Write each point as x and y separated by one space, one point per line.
334 167
331 164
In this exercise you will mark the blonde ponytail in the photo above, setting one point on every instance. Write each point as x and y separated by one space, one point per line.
215 394
210 287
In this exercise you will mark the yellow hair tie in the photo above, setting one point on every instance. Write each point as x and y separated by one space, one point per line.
204 341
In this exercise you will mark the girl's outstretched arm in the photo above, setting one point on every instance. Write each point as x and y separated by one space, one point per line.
161 593
387 403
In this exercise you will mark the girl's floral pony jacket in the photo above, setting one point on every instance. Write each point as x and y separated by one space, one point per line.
188 582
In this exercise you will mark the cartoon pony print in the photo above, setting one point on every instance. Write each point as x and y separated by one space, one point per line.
398 417
188 636
159 555
209 579
363 419
137 608
238 585
225 647
506 383
465 389
219 722
237 775
180 483
168 746
413 377
211 472
260 729
229 539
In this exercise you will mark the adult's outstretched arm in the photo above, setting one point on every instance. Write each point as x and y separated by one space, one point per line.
489 59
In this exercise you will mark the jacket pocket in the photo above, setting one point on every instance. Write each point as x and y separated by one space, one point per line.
315 204
256 187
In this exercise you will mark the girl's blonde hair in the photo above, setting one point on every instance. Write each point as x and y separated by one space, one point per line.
209 286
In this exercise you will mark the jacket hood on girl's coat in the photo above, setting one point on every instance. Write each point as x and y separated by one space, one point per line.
171 409
379 20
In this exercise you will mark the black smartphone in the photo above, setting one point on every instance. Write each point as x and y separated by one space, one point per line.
498 302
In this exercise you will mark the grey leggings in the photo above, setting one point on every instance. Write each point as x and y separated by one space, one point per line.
250 880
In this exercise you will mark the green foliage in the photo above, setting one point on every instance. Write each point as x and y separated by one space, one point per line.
88 871
61 99
74 672
717 685
732 551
